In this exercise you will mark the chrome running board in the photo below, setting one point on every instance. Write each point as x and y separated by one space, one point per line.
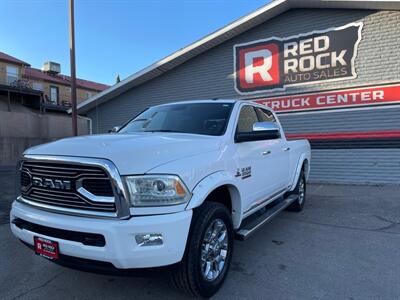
264 215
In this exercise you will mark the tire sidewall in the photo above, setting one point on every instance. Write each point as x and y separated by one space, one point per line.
208 288
296 206
302 177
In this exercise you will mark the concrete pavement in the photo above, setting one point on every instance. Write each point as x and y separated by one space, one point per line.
344 245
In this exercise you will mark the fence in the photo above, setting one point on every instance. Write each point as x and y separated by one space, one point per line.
19 131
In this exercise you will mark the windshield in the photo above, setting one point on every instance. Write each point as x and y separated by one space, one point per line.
197 118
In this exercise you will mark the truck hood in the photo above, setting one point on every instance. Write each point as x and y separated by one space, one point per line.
131 153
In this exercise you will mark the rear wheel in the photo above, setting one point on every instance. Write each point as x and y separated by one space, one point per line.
208 254
300 190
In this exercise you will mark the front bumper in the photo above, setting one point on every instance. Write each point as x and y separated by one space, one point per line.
121 249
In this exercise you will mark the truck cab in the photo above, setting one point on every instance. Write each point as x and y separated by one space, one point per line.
173 187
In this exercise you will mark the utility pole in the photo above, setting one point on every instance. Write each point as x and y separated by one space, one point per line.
73 70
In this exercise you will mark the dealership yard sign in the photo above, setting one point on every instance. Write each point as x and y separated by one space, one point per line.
276 63
350 98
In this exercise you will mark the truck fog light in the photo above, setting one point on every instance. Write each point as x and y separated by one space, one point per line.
149 239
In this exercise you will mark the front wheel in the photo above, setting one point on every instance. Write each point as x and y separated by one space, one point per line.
208 254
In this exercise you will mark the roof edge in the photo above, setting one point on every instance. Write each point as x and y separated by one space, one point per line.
267 11
85 106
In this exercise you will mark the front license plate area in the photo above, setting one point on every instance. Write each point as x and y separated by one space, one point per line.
46 248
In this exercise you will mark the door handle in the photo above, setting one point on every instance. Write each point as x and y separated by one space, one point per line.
286 149
266 152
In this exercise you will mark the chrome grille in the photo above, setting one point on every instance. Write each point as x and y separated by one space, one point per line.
62 170
61 185
98 187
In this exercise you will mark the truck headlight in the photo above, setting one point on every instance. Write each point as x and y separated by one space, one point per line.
156 190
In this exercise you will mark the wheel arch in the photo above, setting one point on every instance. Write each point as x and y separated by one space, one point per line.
306 167
217 184
302 164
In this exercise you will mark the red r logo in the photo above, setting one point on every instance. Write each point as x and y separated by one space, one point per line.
258 66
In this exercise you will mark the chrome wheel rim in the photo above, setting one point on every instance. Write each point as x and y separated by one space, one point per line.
214 250
301 191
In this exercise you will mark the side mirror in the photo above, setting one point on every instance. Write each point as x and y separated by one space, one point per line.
114 129
261 131
270 127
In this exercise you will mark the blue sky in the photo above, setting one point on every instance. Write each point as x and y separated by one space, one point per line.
112 37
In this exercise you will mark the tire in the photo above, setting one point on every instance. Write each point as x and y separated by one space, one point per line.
300 190
190 275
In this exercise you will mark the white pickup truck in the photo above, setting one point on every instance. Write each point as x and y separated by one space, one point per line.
172 187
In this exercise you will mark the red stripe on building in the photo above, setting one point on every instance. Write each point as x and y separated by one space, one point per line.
347 135
357 97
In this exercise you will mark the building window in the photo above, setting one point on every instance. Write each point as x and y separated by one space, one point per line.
37 86
88 95
54 94
12 74
68 93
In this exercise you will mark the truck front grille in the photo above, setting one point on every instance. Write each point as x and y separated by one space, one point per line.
57 184
98 187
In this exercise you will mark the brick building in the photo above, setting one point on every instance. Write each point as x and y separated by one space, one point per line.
44 88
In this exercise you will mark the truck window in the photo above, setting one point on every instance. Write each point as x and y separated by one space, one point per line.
247 118
265 115
195 118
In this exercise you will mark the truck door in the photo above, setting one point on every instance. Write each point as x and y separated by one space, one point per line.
250 162
277 162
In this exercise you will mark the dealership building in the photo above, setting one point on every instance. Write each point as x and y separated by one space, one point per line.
330 69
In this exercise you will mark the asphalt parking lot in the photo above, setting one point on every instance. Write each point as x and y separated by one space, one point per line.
344 245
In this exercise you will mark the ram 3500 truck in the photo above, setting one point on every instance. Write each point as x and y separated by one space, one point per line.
172 187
